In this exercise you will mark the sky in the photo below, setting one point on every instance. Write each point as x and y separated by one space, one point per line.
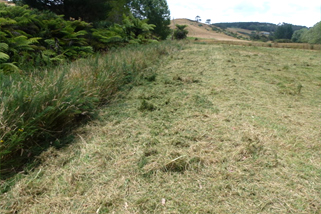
297 12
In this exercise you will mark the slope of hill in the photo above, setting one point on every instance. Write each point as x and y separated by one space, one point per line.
201 30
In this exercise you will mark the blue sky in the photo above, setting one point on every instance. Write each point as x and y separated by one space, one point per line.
296 12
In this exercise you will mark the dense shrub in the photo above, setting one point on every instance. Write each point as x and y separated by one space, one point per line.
31 38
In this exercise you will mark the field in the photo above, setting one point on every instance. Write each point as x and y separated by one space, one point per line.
218 128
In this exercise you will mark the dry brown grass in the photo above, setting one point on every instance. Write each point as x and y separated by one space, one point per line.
230 133
241 32
204 31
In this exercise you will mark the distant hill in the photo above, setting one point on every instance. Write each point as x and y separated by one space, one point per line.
201 30
254 26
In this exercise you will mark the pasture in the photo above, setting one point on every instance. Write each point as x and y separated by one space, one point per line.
213 128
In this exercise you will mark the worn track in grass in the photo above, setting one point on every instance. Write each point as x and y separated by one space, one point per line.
222 129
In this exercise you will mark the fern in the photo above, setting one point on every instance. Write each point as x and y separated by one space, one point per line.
4 57
34 40
8 67
7 21
4 46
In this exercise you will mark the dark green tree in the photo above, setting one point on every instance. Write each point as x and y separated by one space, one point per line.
157 13
284 31
90 11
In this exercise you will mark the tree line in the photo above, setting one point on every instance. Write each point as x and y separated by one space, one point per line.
48 32
254 26
108 11
282 32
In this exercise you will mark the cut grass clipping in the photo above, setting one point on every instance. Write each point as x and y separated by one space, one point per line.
229 133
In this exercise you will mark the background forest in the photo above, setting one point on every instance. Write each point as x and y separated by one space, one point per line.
55 31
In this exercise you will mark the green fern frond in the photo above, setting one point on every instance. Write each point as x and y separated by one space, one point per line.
50 41
80 33
34 40
8 67
60 58
87 49
4 57
147 27
6 21
20 40
4 46
49 52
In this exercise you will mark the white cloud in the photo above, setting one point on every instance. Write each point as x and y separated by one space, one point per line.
296 12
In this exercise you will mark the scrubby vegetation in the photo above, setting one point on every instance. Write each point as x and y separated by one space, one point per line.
40 108
30 38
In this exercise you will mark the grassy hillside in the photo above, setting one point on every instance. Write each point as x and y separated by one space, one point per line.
201 30
218 129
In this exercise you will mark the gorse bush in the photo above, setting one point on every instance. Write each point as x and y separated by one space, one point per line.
31 38
38 109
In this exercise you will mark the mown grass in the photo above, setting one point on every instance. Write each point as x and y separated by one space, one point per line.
220 129
38 109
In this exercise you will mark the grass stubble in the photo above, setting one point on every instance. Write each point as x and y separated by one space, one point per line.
221 129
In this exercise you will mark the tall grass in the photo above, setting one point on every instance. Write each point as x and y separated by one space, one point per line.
38 110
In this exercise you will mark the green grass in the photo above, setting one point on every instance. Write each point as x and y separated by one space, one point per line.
220 129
